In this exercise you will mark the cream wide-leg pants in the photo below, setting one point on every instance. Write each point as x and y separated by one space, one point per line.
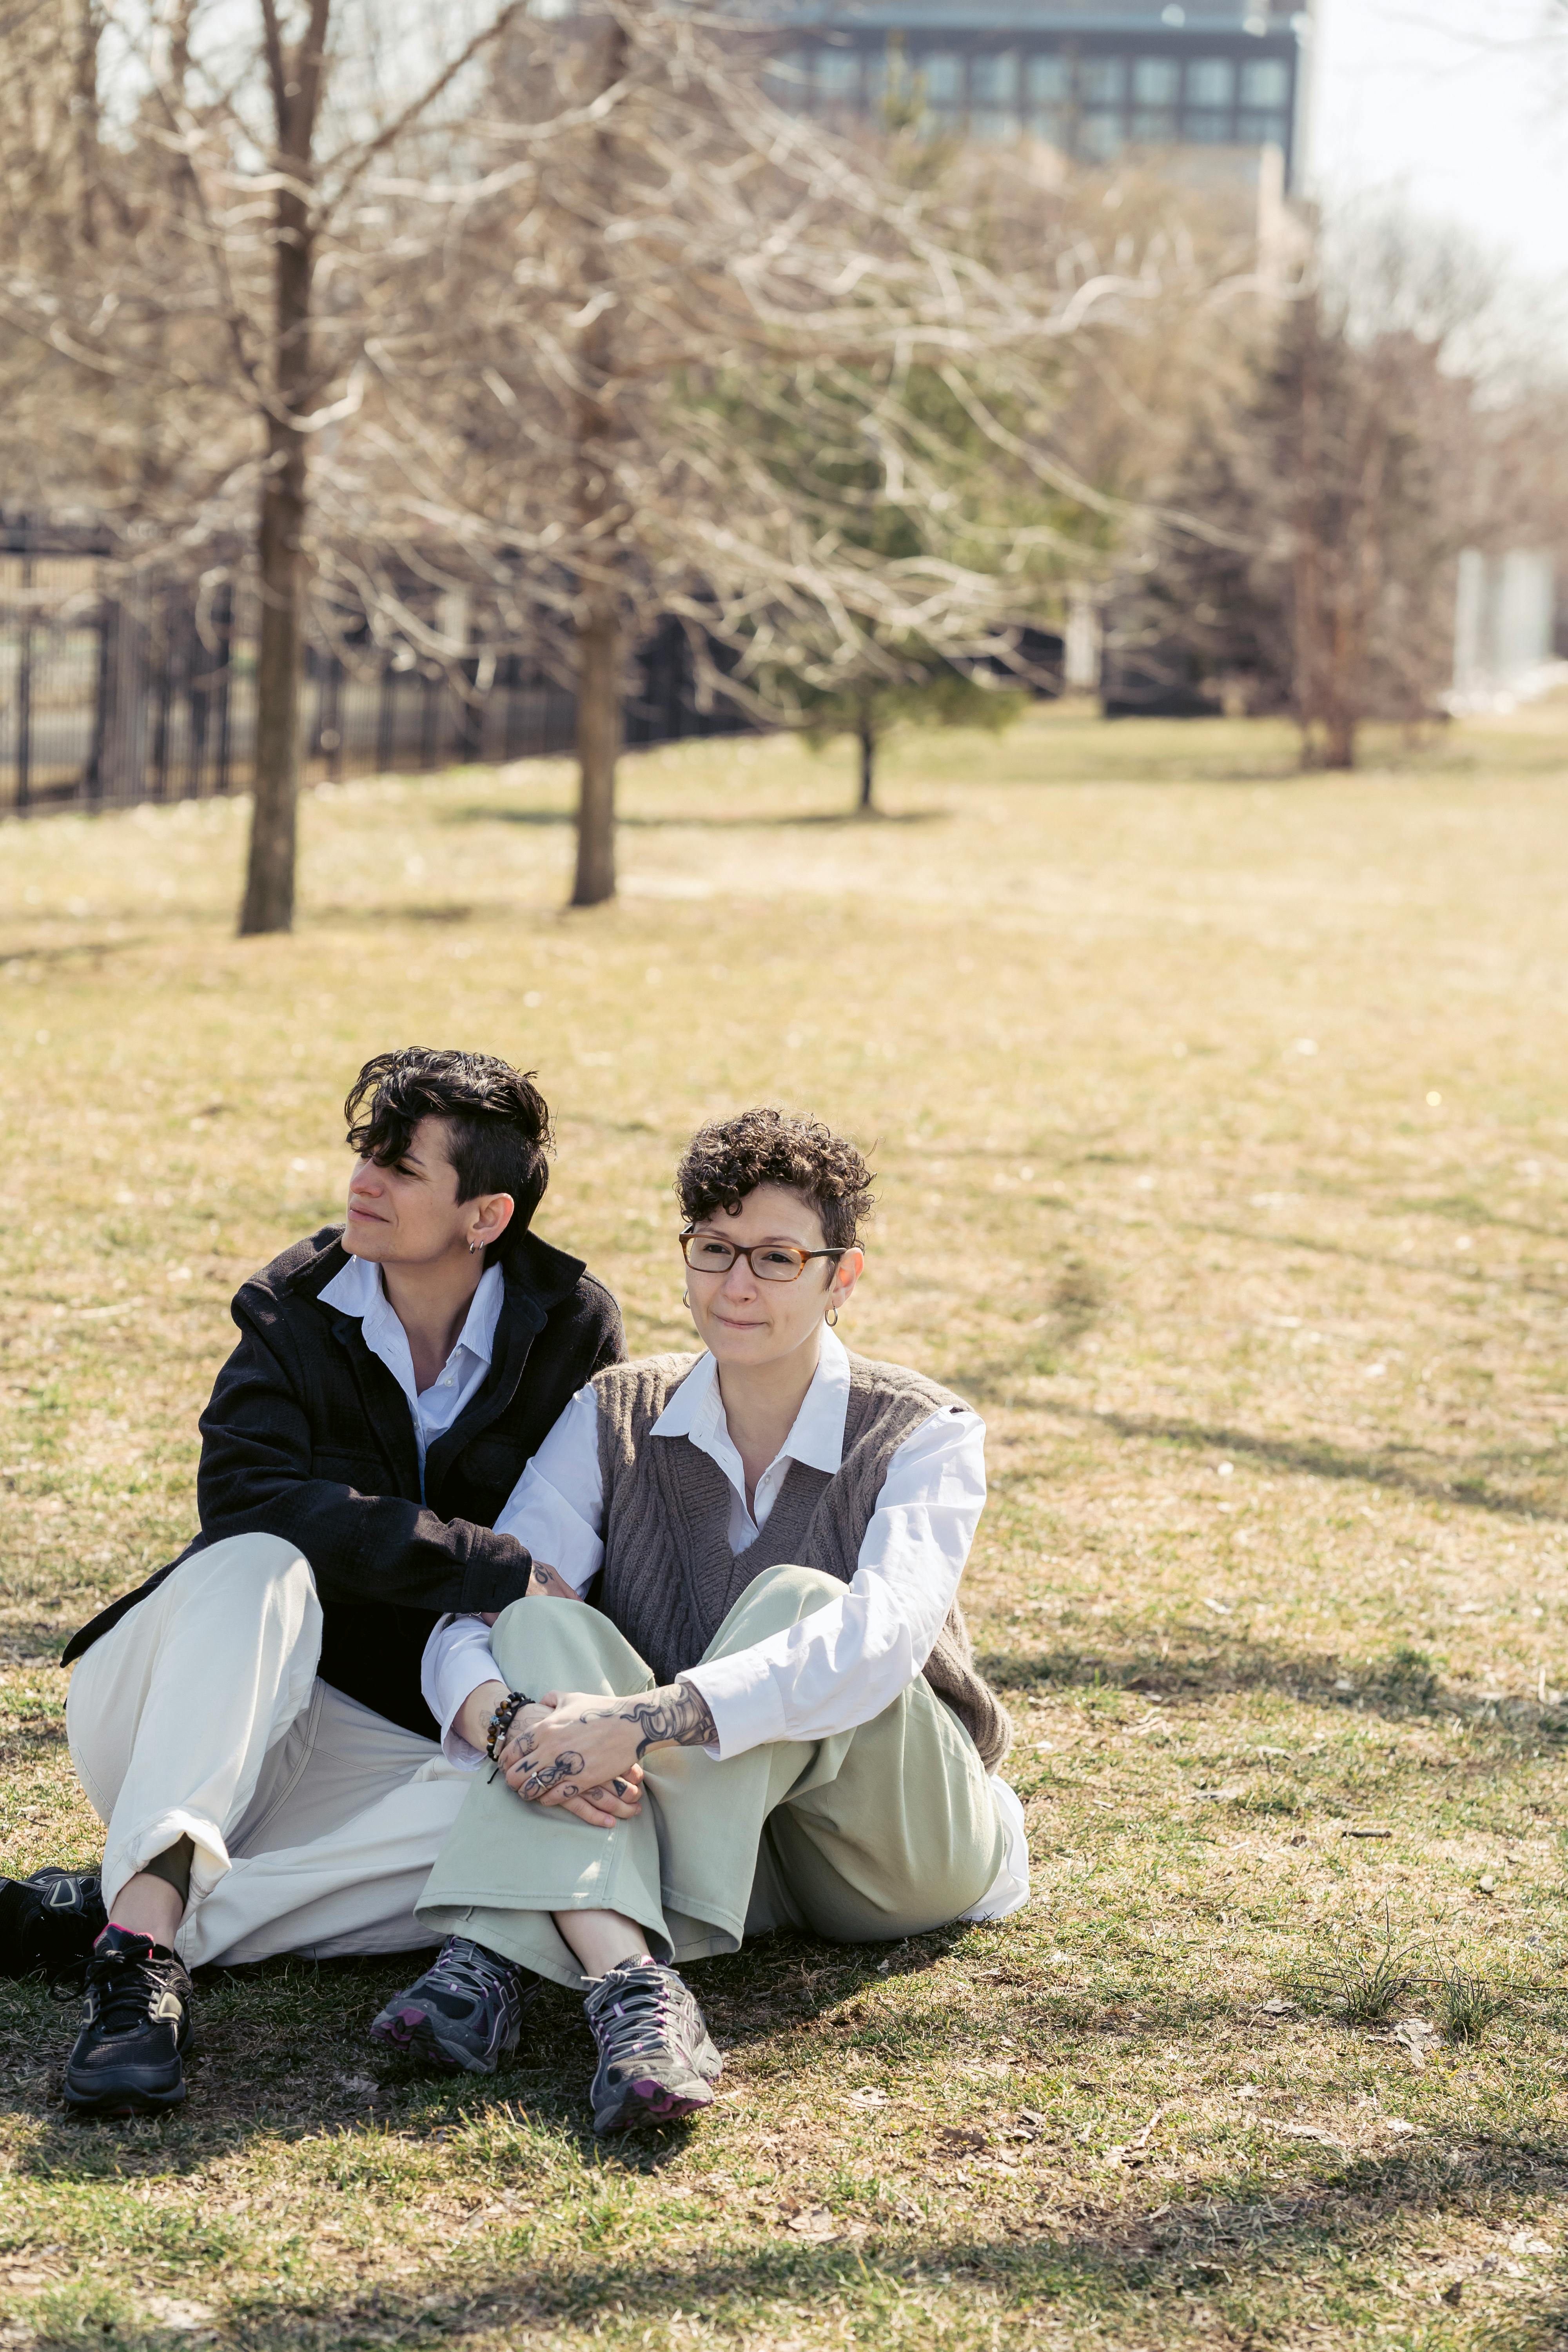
315 1822
865 1837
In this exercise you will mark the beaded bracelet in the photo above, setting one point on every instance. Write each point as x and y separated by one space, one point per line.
501 1721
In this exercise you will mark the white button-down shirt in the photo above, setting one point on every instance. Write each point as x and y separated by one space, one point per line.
358 1290
839 1666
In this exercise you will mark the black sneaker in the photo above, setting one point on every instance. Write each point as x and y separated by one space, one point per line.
465 2013
49 1923
655 2061
127 2059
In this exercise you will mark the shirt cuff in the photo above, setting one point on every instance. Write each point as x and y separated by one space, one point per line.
743 1700
454 1747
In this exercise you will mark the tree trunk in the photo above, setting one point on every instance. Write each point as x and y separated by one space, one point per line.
295 78
268 903
596 499
598 746
1306 585
1338 742
866 735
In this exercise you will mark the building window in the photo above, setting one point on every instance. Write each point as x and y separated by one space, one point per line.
1100 81
993 81
1048 81
1099 137
838 76
1156 82
1266 81
1254 130
1211 82
943 74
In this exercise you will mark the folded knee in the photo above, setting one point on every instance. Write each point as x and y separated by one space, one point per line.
789 1591
509 1642
252 1572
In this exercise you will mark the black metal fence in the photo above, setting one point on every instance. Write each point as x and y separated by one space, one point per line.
115 691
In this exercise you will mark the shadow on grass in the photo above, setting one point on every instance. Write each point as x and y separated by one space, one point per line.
320 918
737 821
1316 1247
1399 1686
1318 1457
281 2052
70 951
1470 1486
1242 2245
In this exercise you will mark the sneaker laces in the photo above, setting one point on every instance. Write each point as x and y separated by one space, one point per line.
635 2010
467 1968
126 1985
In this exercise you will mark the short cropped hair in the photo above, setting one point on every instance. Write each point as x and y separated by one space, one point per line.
731 1157
497 1122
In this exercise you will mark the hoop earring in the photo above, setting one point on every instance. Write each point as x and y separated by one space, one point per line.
832 1316
686 1299
474 1248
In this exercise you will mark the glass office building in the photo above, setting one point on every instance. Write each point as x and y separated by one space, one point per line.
1094 82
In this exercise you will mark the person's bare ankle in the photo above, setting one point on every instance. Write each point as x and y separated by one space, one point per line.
602 1940
148 1905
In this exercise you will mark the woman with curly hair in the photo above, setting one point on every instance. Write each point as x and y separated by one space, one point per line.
771 1716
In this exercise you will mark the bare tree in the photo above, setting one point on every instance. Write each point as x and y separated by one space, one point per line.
227 294
671 285
1310 533
574 322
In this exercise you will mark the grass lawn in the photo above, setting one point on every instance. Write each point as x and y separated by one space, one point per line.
1221 1125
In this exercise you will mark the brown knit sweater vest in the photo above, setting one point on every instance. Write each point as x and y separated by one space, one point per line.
669 1577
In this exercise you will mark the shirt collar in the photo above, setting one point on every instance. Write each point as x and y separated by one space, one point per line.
815 1439
358 1290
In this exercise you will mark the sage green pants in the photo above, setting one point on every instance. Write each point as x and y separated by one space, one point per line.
865 1837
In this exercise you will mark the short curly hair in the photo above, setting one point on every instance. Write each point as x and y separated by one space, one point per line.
731 1157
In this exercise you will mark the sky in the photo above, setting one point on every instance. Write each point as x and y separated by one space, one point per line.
1458 107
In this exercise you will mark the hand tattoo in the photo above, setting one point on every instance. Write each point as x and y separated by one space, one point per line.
544 1777
546 1583
677 1715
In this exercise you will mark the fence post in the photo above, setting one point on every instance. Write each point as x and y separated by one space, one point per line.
99 755
25 678
434 682
223 622
385 728
331 734
161 644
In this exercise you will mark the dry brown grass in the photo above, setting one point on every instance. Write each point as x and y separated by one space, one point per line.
1222 1134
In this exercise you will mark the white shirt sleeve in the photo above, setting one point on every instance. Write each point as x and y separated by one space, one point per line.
457 1661
556 1508
846 1661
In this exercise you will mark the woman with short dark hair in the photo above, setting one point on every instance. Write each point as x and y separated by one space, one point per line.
777 1529
248 1723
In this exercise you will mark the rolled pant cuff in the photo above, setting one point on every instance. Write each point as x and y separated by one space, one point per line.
129 1854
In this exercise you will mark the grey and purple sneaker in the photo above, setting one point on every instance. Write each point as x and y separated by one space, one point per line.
655 2061
464 2014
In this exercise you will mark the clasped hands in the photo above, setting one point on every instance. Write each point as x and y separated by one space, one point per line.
600 1787
579 1750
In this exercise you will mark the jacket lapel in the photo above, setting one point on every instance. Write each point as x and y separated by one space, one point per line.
385 1406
